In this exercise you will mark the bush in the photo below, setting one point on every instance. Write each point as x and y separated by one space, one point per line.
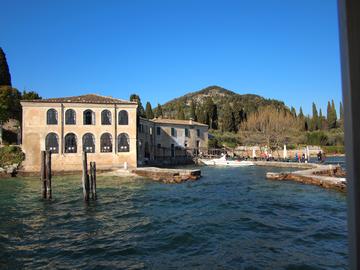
317 138
334 149
11 155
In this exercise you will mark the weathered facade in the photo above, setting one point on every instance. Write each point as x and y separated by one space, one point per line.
169 139
104 127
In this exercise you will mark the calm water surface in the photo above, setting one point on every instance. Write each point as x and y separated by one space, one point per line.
231 218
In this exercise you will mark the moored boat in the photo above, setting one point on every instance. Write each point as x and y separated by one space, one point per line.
223 161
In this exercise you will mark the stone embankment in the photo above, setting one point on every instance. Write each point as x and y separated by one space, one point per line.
170 176
326 176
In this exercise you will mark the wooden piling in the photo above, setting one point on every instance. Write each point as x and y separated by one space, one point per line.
43 173
48 175
93 180
85 177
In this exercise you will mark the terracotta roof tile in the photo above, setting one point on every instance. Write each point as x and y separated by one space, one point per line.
90 98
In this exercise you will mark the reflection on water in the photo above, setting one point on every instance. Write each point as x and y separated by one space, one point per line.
230 219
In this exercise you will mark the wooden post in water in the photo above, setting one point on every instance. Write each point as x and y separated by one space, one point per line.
85 177
43 173
93 180
48 175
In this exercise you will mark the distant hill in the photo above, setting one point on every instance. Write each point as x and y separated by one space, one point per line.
222 98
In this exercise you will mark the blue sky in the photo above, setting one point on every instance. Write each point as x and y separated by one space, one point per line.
288 50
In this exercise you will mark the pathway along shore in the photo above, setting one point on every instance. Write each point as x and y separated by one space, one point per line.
326 176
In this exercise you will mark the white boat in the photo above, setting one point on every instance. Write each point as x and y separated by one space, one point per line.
225 162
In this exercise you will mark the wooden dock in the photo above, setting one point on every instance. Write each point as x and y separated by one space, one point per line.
170 176
326 176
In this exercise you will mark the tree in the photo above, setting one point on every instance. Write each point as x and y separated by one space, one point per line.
341 111
10 107
331 114
159 111
148 111
180 113
293 111
315 118
301 114
193 110
5 77
140 109
270 126
228 123
31 95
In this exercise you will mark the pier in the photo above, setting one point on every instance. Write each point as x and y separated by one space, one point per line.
326 176
170 176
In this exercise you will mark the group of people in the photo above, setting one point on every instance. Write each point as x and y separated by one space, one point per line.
304 159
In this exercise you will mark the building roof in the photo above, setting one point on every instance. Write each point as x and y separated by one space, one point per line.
89 98
177 122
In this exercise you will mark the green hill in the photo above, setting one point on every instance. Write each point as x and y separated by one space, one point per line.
224 99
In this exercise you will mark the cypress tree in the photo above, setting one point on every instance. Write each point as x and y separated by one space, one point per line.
140 108
320 122
293 111
148 111
341 111
214 117
159 111
5 77
228 120
315 118
333 109
301 114
331 114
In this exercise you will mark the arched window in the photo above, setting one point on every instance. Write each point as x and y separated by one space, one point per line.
89 117
106 143
70 143
52 143
123 118
106 117
89 143
123 143
52 117
70 117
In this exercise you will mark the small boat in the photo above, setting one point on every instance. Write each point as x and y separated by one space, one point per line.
226 162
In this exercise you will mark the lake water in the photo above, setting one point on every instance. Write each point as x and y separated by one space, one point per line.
231 218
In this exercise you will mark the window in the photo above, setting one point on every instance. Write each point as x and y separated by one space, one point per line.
185 144
106 143
187 133
70 117
198 132
106 117
52 117
70 143
123 118
88 143
141 128
89 117
197 144
158 130
172 150
173 132
123 143
159 145
52 143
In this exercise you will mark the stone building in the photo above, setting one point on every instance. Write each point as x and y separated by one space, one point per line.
170 140
105 127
